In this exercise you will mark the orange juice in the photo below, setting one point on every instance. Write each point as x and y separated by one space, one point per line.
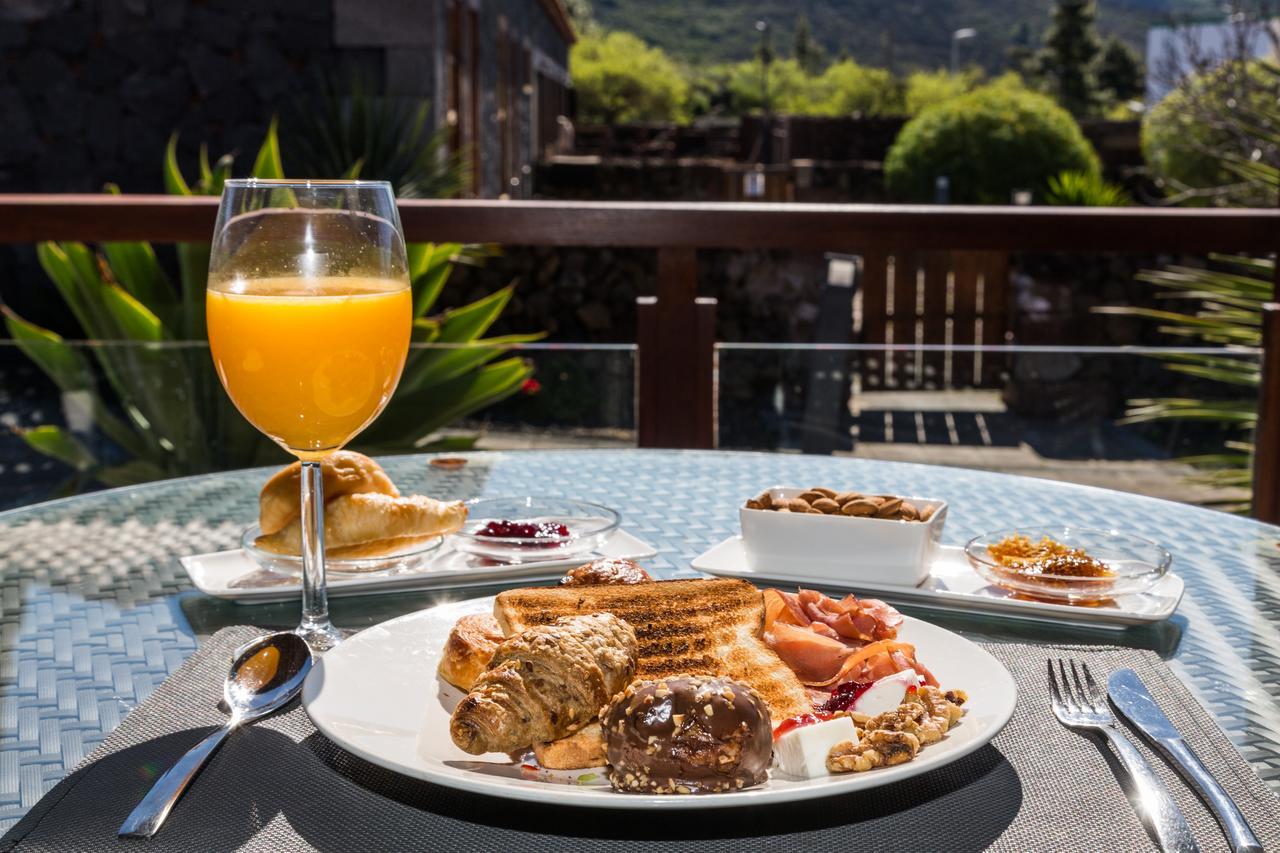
310 361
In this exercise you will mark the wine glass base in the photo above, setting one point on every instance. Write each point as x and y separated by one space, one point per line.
320 636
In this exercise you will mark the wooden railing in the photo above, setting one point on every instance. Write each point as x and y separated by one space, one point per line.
676 328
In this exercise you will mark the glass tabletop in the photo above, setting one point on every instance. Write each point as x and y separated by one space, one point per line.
96 610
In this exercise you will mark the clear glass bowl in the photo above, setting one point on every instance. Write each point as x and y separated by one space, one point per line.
408 559
1137 563
589 525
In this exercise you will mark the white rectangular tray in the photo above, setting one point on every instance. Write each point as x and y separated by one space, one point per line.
952 584
234 575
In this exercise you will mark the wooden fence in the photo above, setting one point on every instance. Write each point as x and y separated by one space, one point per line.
952 249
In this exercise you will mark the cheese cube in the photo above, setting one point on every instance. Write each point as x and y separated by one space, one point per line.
803 751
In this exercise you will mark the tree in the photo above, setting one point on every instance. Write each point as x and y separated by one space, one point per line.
619 78
847 88
988 143
805 50
1019 56
790 90
1206 139
1119 72
1066 61
926 88
581 15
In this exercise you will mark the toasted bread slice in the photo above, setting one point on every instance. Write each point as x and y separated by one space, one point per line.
693 627
583 748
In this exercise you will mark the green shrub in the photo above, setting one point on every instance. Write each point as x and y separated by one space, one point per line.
847 88
619 78
990 142
1191 139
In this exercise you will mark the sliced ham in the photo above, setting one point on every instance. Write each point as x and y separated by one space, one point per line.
853 619
784 607
873 662
827 642
813 657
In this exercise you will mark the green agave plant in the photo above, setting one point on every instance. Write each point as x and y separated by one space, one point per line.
1229 300
1084 189
162 405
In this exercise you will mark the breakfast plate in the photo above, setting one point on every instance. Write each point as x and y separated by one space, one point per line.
952 584
234 575
378 696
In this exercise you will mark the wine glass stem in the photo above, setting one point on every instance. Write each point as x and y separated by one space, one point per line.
316 628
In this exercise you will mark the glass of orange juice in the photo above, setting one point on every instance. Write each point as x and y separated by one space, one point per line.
309 312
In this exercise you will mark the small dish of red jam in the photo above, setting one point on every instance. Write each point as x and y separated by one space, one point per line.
548 530
534 529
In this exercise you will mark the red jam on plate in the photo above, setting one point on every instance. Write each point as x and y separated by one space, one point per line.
790 724
843 697
505 529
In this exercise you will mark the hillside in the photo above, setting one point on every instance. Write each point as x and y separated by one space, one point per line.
900 34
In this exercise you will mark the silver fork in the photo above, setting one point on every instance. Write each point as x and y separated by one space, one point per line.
1081 704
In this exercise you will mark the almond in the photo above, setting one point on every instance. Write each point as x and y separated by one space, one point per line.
860 508
811 496
844 497
889 508
826 505
927 512
826 493
798 504
909 512
765 500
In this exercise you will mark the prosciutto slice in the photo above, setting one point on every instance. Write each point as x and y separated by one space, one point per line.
827 642
852 619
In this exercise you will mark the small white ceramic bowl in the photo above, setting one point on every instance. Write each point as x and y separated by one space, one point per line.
843 548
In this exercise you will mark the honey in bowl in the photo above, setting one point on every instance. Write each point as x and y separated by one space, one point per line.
1047 561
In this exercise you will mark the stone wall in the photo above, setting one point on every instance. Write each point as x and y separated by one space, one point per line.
92 89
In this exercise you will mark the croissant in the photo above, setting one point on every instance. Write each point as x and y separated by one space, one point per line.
345 472
545 683
367 517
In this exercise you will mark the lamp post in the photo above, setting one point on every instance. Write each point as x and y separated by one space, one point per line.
958 36
766 56
766 128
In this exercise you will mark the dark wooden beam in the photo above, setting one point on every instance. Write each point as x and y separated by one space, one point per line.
559 16
676 400
1266 435
167 219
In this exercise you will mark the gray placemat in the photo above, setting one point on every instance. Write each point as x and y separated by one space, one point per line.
281 786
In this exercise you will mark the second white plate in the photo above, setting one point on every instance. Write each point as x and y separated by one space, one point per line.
952 584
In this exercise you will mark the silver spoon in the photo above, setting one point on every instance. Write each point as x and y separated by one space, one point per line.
265 675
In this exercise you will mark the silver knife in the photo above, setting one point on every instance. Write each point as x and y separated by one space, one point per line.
1131 696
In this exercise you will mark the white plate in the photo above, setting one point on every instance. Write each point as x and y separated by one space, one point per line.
377 695
235 575
952 584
